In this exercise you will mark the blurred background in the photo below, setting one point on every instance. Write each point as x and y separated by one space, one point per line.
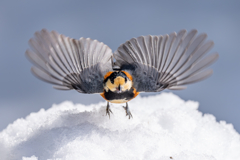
114 22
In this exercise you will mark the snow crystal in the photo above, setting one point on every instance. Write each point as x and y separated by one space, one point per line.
163 127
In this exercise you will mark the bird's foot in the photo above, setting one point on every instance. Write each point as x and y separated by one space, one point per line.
128 113
108 110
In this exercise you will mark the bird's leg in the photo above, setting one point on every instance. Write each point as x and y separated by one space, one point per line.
108 110
128 113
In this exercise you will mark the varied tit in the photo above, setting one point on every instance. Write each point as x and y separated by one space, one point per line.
142 64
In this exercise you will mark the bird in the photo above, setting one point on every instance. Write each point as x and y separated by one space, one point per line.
149 63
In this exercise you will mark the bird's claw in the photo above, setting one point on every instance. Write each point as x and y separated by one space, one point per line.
108 110
128 113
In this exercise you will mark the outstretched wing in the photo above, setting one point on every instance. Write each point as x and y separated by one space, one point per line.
69 63
168 61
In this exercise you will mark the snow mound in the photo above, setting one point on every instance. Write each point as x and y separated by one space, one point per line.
163 127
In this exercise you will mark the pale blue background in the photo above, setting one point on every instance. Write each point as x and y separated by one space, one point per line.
114 22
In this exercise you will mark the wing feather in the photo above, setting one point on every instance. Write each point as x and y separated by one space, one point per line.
46 76
61 88
196 77
69 63
166 61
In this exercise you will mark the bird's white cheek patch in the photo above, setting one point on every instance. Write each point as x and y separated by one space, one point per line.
127 86
106 88
110 86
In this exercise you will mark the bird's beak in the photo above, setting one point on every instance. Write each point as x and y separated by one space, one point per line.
119 89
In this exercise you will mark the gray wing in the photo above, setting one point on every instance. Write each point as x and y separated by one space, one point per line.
166 61
69 63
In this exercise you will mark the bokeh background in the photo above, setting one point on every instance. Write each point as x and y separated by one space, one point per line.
114 22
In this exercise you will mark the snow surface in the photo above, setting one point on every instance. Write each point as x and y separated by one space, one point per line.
163 127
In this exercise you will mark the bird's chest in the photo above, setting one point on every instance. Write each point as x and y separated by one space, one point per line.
118 97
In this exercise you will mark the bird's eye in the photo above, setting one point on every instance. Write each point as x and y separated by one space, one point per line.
125 80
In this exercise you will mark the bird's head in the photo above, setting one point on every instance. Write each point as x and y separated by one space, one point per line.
117 81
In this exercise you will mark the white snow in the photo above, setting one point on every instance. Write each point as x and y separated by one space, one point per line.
163 127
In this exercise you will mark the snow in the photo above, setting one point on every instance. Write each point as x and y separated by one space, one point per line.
163 127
